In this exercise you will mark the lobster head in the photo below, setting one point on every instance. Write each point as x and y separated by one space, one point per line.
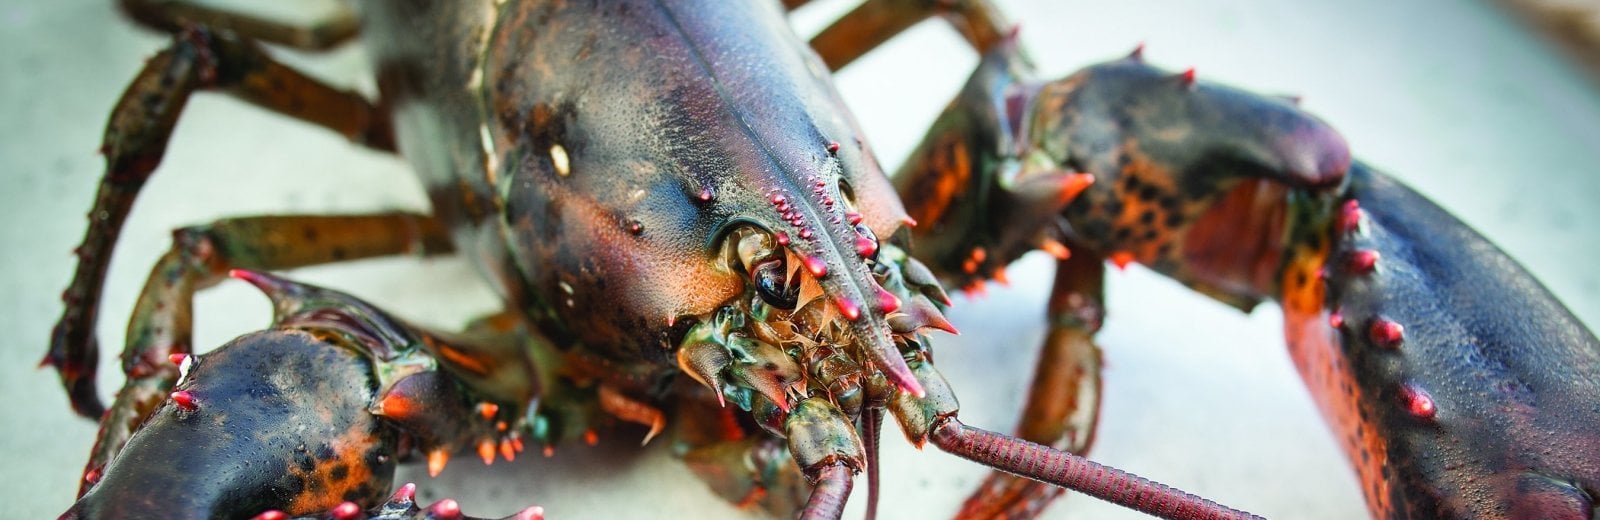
706 202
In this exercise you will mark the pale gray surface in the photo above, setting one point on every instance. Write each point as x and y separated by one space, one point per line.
1452 98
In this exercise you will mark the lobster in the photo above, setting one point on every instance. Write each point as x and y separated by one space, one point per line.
1000 261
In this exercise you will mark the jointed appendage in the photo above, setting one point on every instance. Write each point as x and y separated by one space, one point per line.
159 330
136 139
312 413
1407 326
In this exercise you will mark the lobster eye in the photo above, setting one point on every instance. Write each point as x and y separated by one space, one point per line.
767 267
772 284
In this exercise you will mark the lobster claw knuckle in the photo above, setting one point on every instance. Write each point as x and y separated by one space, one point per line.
820 434
918 417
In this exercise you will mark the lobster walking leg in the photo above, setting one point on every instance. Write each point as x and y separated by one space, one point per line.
135 140
745 467
876 21
200 257
171 16
1063 403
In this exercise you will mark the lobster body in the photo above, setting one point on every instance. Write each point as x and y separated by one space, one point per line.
674 194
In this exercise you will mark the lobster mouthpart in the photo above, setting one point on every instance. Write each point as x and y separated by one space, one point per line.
787 328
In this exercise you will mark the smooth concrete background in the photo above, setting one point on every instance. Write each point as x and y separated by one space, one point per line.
1451 96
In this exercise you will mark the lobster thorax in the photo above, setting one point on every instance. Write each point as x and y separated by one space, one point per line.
629 140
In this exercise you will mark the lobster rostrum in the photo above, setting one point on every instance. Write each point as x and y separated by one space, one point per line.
656 211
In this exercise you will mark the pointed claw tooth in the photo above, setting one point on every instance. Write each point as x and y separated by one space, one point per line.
436 461
406 494
508 450
185 400
446 509
346 511
486 451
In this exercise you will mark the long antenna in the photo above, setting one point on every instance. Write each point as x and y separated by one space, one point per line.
1065 469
